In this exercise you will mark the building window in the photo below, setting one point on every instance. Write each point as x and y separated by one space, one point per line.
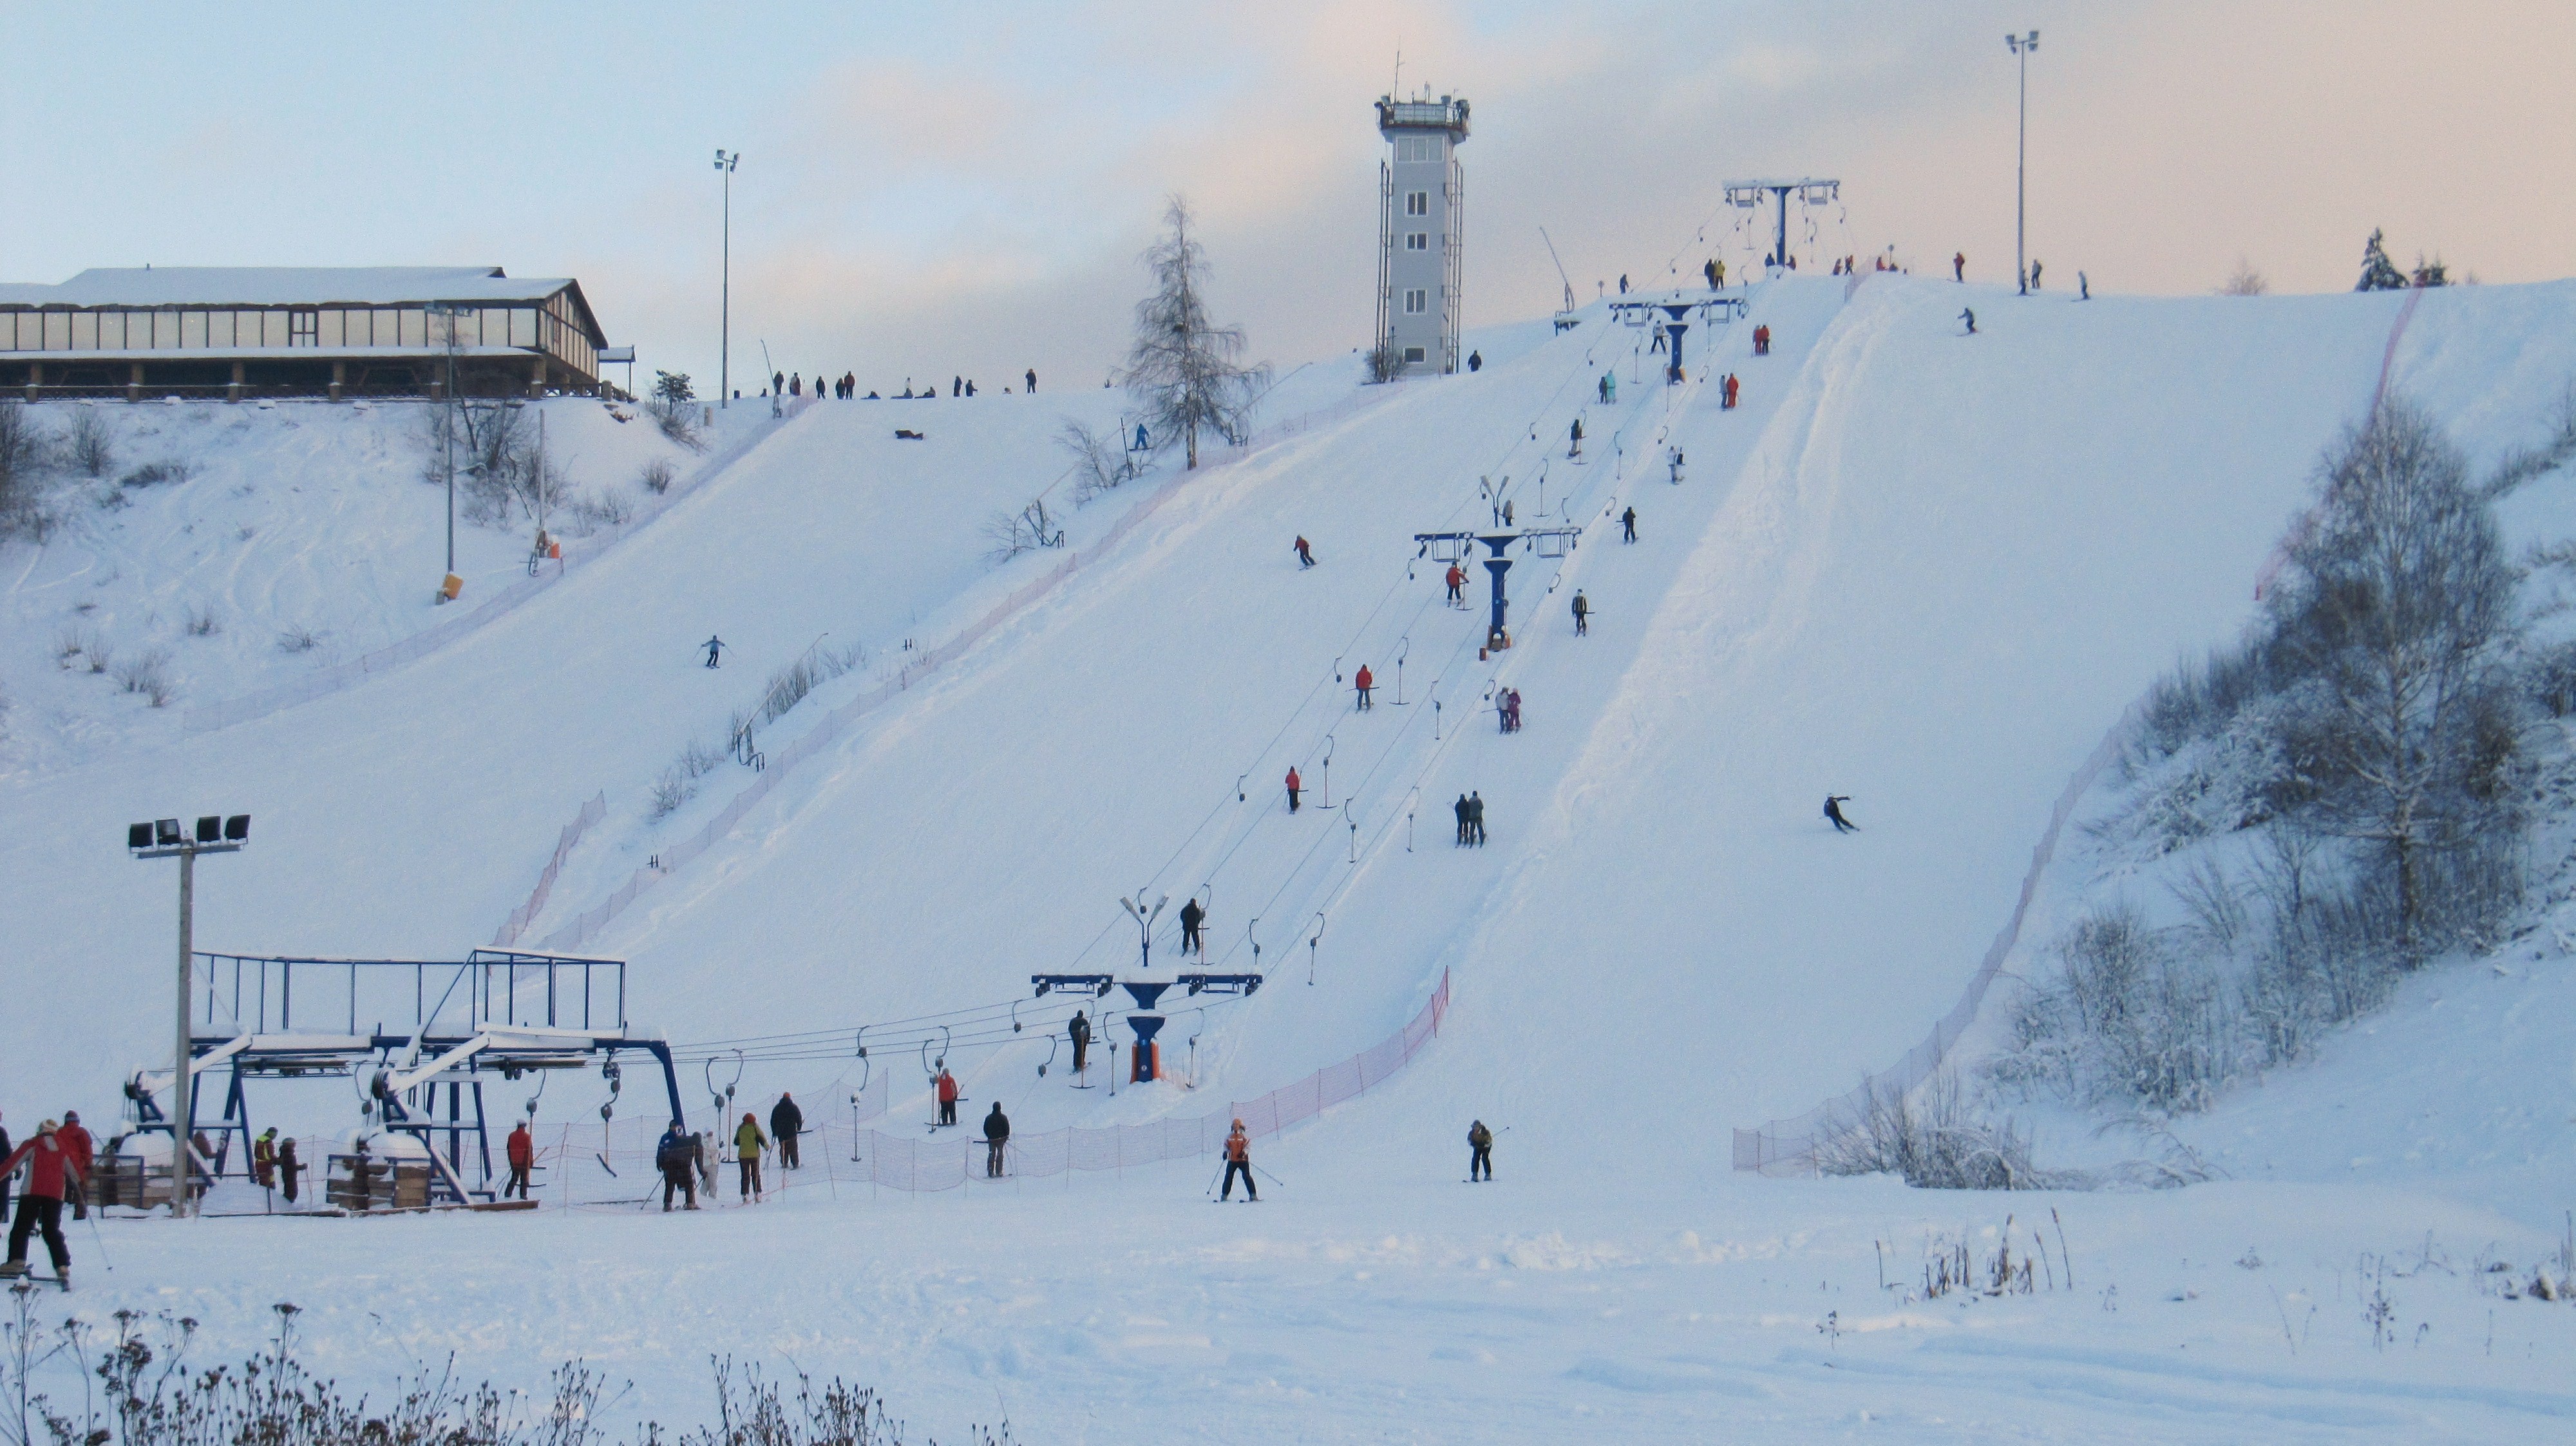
303 328
1418 241
1417 203
1416 301
1412 354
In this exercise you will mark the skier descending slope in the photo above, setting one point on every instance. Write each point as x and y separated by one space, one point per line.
1834 813
1305 553
1238 1158
715 650
1969 315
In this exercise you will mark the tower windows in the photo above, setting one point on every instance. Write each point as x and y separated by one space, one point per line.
1417 203
1416 301
1418 241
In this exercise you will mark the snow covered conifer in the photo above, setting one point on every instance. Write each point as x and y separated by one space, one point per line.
1182 367
2377 272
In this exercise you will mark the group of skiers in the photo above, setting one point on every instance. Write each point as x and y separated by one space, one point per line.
57 1162
1470 809
684 1161
783 385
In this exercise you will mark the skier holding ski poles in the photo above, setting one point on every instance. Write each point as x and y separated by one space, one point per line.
1480 1152
40 1202
1238 1158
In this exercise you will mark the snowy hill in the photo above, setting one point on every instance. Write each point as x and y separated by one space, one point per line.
1924 569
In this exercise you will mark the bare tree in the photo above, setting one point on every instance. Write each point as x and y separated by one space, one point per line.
2399 607
1183 367
2244 281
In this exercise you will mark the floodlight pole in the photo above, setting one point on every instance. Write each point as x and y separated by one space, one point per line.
180 1086
725 162
2021 47
172 843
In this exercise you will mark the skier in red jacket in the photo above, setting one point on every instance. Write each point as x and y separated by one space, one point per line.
947 1097
1762 340
523 1158
76 1143
40 1203
1365 681
1293 787
1457 580
1730 391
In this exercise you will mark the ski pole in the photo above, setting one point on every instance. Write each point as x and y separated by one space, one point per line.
101 1239
1212 1179
1266 1175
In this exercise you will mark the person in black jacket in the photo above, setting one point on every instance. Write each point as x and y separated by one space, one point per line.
677 1157
1078 1029
997 1133
785 1123
1191 917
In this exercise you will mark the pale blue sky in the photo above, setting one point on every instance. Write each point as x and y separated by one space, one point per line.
933 189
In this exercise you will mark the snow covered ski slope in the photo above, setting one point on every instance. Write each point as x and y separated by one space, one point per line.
1923 569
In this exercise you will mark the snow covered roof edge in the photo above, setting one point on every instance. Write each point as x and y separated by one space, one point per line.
280 286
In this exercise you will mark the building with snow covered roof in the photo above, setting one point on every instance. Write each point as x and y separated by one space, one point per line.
236 331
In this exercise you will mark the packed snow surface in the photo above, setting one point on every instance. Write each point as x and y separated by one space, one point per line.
1924 569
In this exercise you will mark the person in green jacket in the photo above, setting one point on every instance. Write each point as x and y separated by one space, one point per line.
748 1142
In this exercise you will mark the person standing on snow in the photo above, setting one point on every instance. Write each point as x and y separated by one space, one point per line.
1476 819
1293 787
676 1156
1728 402
1834 813
748 1142
1364 681
1574 437
1475 361
1480 1152
1582 614
1623 283
1078 1029
1238 1159
521 1150
786 1122
1140 438
289 1168
997 1133
1628 521
1609 387
1191 917
2083 287
1457 580
1709 270
1305 552
2034 273
1762 339
1959 267
76 1143
715 649
1460 808
263 1159
1033 381
947 1096
40 1202
1677 466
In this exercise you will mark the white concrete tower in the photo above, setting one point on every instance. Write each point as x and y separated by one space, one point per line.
1421 206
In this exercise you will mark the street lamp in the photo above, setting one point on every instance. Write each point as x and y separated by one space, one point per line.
447 434
1145 918
164 839
725 162
2022 46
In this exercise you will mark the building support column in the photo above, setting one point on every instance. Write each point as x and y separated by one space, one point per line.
35 378
537 381
134 383
339 378
233 390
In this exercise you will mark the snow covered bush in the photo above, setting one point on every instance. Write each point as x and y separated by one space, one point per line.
1099 462
22 460
147 673
1011 533
2126 1019
91 444
1930 1139
657 475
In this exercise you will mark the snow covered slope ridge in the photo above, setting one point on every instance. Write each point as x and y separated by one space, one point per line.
1919 568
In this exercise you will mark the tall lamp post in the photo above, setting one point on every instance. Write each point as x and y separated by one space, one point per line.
725 162
165 840
447 434
2022 46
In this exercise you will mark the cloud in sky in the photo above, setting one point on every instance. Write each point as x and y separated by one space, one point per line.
929 191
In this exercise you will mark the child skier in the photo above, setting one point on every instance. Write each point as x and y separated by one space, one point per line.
1238 1159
